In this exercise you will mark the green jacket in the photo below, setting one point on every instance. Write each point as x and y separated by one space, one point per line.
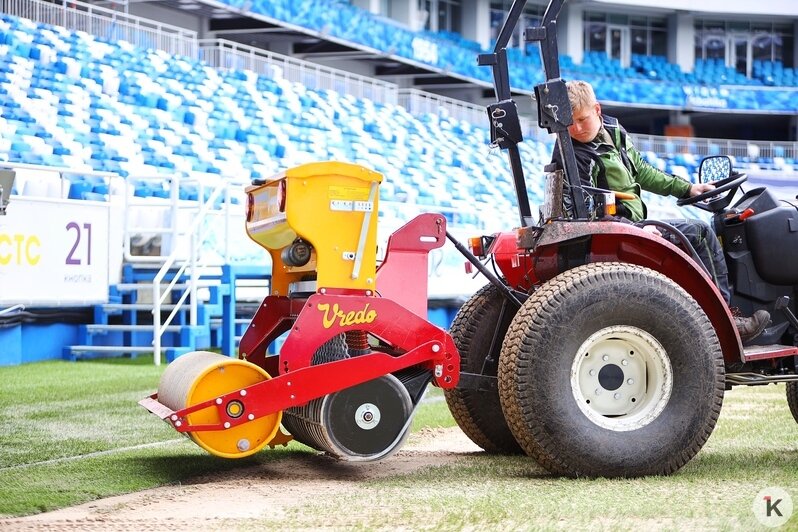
612 162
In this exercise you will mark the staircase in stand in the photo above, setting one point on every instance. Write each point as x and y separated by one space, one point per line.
125 327
176 303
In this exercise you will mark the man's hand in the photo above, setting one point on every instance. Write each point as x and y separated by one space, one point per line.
652 229
700 188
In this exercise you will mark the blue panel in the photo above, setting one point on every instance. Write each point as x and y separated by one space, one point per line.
46 342
11 340
439 317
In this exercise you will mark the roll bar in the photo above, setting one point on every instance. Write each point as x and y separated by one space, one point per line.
554 108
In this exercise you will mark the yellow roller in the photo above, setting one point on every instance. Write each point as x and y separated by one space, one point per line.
198 376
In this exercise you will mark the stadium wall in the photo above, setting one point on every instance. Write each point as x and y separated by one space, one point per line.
740 7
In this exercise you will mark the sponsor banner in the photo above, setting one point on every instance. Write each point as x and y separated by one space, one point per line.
54 252
737 98
707 97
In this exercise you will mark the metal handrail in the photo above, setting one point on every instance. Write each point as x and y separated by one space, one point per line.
107 24
63 170
11 309
129 231
702 147
60 170
225 54
158 298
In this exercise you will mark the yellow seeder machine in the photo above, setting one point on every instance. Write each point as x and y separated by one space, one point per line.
359 352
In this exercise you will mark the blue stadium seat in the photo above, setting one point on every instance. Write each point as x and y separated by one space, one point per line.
78 188
140 126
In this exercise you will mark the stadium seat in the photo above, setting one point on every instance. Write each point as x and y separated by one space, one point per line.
78 188
134 111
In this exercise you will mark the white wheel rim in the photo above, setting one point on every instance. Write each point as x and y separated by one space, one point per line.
621 378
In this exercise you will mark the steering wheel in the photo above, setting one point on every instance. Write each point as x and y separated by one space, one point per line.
726 184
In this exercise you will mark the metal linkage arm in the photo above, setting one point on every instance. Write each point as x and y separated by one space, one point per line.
554 108
505 125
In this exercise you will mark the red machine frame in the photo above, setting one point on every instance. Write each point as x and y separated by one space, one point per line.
406 339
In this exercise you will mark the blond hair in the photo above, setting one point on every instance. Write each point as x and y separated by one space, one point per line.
581 94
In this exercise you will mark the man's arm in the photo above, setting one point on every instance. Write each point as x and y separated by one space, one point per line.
654 180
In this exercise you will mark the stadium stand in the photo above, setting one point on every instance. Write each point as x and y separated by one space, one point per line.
157 135
100 108
102 114
654 82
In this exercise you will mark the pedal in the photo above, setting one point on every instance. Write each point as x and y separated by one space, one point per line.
783 304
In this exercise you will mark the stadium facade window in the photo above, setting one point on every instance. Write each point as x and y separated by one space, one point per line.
443 15
657 35
531 16
620 36
744 44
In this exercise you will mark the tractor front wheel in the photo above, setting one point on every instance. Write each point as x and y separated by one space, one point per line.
478 331
792 399
611 370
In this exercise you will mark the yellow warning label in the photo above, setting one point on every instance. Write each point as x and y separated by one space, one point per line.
338 192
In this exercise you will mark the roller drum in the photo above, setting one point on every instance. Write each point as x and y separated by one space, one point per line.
303 423
201 375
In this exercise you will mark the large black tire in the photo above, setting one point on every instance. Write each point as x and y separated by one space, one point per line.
792 399
611 370
479 413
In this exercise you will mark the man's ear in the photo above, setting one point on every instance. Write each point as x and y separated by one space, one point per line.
598 108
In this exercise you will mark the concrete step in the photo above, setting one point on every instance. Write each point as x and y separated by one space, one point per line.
100 328
116 307
75 352
129 287
121 349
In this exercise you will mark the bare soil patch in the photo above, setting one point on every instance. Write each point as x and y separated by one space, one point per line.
269 491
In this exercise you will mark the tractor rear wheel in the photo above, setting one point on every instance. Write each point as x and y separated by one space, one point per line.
482 320
792 399
611 370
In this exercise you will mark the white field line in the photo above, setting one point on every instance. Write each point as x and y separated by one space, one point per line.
426 399
90 455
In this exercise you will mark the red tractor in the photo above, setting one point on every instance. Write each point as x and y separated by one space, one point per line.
602 350
599 350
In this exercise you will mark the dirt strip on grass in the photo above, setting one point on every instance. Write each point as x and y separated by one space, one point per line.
265 493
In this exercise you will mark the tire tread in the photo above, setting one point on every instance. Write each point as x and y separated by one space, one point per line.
528 329
792 399
479 414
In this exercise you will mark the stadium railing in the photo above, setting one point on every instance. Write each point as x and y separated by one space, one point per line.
224 54
107 24
749 150
672 89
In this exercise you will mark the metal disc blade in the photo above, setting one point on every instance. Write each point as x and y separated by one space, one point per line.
367 420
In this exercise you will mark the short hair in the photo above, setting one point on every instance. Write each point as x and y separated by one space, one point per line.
580 94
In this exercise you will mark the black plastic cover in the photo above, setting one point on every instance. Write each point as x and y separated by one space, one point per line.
505 126
773 240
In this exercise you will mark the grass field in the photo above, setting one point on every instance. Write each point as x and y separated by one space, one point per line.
72 432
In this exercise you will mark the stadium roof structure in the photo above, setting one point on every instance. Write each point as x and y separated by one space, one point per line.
245 25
